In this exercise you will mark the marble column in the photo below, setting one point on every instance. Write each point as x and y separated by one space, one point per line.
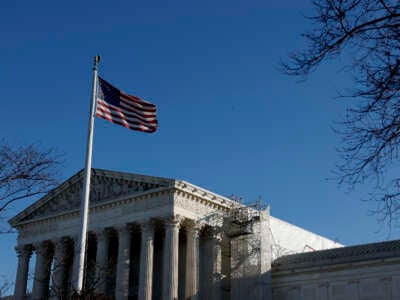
192 262
323 291
101 261
170 260
42 271
24 253
146 261
352 289
216 239
60 270
124 251
75 265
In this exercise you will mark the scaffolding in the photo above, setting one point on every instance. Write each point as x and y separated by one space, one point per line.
242 216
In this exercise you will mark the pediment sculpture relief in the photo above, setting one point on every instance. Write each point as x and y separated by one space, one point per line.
102 189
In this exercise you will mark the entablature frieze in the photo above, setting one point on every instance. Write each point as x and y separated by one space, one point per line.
140 199
181 197
198 193
202 197
201 202
198 212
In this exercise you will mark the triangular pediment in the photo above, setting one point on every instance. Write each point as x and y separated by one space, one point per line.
105 186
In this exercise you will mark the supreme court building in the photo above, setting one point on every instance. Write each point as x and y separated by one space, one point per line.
159 238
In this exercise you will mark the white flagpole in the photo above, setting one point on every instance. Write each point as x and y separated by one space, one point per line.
86 190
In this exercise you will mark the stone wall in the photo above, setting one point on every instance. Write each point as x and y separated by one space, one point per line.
366 272
288 239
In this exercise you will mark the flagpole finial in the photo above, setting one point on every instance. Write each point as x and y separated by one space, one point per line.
96 61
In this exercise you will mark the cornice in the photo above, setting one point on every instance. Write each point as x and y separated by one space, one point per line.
300 270
203 196
338 256
134 177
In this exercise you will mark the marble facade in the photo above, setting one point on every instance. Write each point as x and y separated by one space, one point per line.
148 238
152 238
362 272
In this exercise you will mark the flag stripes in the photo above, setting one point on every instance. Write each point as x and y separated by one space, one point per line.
126 110
104 106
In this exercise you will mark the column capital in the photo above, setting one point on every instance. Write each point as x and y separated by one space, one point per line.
193 228
43 247
59 241
39 245
99 231
75 239
123 228
352 281
216 234
324 284
24 251
147 227
386 279
101 234
173 222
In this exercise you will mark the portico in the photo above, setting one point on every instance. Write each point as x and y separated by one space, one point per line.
53 260
144 239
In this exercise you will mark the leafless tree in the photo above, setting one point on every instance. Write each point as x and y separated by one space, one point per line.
25 171
59 278
5 286
367 31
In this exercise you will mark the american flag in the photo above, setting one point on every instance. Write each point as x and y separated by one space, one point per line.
123 109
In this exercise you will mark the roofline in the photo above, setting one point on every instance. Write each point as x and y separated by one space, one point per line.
76 177
182 185
195 189
336 256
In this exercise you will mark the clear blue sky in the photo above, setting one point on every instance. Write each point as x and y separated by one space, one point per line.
228 120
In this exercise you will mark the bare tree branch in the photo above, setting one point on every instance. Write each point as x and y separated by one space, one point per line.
26 171
369 30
